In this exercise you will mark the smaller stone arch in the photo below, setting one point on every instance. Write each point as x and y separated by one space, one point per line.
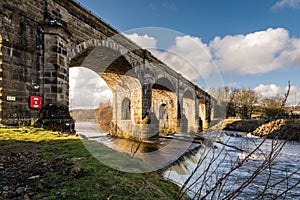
189 94
126 110
163 112
164 84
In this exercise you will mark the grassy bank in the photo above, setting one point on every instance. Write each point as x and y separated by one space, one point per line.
35 164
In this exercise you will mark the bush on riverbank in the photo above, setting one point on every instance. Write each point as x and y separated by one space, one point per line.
35 164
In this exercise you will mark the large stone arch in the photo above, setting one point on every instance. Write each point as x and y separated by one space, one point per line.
87 46
92 52
109 62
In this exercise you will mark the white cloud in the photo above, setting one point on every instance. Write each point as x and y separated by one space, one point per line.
258 52
292 52
253 53
187 55
286 3
144 41
87 88
294 96
273 90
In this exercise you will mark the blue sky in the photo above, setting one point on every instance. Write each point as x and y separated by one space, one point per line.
254 43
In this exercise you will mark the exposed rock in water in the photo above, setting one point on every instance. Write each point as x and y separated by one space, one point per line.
280 129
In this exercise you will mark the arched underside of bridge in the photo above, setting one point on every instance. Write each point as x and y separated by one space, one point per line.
121 78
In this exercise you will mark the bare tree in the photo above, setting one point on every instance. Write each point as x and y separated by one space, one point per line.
272 107
243 102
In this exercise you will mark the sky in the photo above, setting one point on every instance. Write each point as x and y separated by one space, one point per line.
252 43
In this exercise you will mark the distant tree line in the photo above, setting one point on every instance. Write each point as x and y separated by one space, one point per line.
246 103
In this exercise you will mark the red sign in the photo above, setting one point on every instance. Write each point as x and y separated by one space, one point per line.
35 102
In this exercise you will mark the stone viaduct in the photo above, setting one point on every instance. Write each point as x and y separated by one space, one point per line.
41 39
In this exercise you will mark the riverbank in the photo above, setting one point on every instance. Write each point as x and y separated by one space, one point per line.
286 129
38 164
281 129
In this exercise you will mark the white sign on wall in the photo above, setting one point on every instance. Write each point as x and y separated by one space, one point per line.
10 98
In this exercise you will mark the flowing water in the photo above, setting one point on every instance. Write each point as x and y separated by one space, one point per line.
218 161
215 160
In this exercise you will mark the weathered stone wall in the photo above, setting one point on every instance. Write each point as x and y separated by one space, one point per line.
20 58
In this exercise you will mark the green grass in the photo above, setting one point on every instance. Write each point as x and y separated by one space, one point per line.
68 171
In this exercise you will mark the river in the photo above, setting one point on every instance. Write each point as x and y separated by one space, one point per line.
221 159
217 160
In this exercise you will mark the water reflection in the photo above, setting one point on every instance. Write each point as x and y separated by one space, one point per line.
131 146
92 131
155 156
